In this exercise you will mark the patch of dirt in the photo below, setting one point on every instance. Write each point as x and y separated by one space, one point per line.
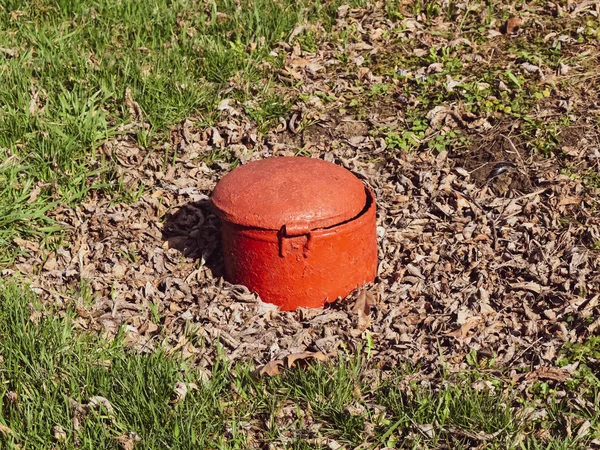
500 162
580 146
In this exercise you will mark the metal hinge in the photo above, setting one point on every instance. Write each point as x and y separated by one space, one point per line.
287 241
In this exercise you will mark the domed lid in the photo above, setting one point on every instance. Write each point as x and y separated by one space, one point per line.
301 193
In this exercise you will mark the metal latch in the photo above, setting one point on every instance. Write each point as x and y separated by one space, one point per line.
288 241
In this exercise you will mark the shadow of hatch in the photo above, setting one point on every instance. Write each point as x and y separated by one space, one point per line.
196 232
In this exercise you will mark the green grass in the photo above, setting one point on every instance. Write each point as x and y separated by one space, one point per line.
63 89
48 368
66 66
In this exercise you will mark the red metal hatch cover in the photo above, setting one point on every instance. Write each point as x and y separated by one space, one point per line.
301 193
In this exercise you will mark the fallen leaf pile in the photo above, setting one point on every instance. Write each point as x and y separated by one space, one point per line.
492 252
461 269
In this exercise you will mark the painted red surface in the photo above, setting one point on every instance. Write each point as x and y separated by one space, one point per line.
292 191
298 231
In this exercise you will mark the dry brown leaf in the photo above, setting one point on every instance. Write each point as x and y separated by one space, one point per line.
50 264
355 410
465 327
343 11
362 307
550 373
148 327
12 399
569 201
134 108
270 369
478 436
5 430
36 106
298 62
98 400
584 430
12 52
296 32
461 202
334 445
180 390
35 193
292 72
292 359
527 286
105 363
59 433
119 270
216 138
128 441
29 245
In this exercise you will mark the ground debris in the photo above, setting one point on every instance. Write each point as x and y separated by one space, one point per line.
488 252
